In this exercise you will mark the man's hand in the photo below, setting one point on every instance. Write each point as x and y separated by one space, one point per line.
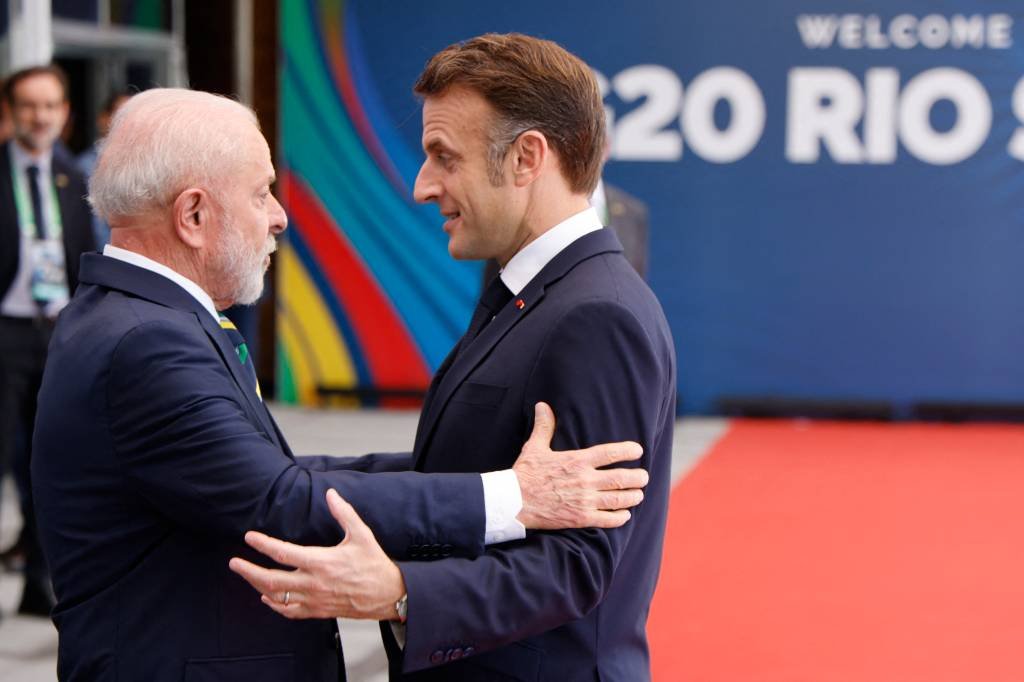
353 579
567 489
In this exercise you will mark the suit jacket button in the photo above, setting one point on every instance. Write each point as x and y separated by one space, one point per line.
336 640
456 654
437 657
468 651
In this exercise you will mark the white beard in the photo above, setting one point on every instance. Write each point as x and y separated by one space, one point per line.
242 267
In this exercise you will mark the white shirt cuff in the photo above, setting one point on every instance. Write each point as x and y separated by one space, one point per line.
503 500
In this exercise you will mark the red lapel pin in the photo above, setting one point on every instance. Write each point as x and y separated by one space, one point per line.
520 303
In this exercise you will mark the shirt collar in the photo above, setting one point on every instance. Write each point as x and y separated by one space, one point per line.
599 200
532 258
185 283
22 159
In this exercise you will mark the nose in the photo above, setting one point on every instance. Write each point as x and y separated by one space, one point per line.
427 188
278 218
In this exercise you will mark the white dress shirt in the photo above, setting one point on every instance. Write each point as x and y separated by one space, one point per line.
599 200
503 498
532 258
140 261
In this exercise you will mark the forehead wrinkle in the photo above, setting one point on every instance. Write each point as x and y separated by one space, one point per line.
442 135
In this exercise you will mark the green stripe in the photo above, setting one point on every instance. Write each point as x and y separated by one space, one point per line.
286 391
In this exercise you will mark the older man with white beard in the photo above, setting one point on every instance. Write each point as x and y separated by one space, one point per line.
155 453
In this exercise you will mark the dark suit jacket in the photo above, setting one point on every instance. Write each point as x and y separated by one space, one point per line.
75 214
153 457
589 338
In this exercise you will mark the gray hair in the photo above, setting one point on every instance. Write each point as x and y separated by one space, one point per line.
161 142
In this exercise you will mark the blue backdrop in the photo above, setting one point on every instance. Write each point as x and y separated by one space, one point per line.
835 199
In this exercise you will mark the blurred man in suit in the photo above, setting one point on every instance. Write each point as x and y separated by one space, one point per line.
513 130
45 226
627 216
155 452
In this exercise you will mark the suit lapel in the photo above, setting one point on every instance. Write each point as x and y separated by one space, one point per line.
230 358
447 382
65 198
115 274
435 382
68 213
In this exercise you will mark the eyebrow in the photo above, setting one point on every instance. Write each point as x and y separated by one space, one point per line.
436 146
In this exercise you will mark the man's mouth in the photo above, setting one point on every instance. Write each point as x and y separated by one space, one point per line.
451 218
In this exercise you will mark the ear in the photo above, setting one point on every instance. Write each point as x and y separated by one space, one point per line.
192 217
529 153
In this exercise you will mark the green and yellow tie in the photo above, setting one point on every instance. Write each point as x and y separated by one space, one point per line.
238 341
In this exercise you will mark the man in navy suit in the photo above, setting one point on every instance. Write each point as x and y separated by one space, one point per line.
513 129
155 452
45 227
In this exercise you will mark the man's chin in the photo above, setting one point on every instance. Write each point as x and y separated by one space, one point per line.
463 252
249 297
36 143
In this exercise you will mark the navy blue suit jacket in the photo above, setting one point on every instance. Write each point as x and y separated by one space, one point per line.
589 337
152 458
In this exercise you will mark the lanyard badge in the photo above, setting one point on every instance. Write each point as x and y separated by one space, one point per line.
49 278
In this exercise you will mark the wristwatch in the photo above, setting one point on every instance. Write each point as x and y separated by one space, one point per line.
402 607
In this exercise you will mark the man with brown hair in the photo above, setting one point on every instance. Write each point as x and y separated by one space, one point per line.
513 129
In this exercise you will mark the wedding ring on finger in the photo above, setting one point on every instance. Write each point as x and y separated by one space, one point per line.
287 598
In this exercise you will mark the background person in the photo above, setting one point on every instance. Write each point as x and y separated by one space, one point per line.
45 226
86 161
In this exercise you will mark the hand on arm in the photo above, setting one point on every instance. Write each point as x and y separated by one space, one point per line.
353 579
551 579
356 579
567 489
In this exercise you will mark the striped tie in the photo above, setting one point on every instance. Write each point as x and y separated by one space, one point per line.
238 341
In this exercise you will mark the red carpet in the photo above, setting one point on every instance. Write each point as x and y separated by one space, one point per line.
823 552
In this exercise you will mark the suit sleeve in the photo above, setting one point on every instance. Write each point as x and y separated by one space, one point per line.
599 371
373 463
186 444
